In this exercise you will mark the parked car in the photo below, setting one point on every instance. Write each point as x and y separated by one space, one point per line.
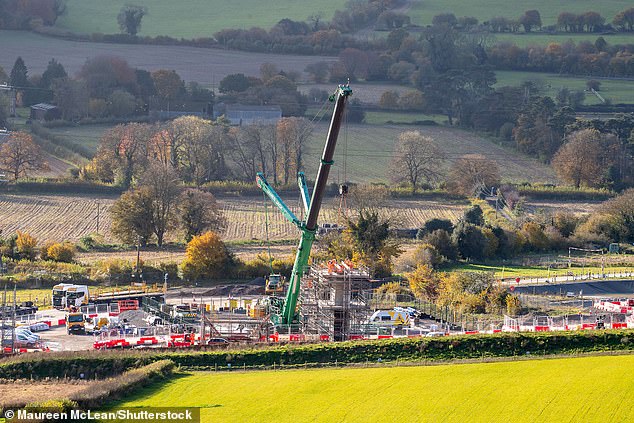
217 341
26 331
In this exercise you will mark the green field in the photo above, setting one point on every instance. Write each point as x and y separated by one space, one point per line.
530 272
588 389
194 18
422 12
523 39
87 136
617 91
370 148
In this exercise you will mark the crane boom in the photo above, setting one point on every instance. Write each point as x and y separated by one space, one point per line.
288 314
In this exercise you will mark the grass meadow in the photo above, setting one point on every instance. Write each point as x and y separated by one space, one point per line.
422 12
198 18
366 152
588 389
522 39
617 91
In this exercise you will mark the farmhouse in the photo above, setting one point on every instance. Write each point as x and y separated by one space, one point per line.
240 114
45 111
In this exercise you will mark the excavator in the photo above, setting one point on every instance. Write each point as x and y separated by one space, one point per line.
283 311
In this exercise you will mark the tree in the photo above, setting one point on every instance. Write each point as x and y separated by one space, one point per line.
54 70
585 158
132 216
26 246
18 77
530 19
370 234
440 239
121 104
20 154
168 84
234 83
71 97
423 282
199 212
129 19
434 224
318 71
469 240
206 256
474 215
123 150
417 158
389 100
471 172
61 251
625 19
291 135
103 74
164 188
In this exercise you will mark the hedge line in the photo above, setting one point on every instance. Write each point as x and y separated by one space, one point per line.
97 364
95 394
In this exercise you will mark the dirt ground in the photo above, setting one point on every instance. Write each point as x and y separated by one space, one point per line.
24 392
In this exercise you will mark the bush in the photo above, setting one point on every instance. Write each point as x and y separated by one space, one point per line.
64 252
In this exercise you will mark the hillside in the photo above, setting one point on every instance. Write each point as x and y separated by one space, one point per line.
370 147
194 18
206 66
588 389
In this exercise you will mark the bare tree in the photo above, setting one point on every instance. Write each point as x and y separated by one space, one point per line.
417 158
585 157
472 171
20 155
164 188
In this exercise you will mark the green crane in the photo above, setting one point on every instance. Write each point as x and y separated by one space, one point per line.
283 311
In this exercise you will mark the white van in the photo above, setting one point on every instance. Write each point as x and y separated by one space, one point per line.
398 318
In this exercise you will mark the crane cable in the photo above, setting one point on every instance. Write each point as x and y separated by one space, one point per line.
266 224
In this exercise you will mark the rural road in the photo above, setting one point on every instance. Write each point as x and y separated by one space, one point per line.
206 66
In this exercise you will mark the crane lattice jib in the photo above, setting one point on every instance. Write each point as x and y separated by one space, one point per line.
308 227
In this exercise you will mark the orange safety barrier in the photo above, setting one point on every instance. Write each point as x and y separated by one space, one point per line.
356 337
497 330
385 336
23 350
619 325
8 350
324 338
471 332
542 328
48 323
588 326
61 322
147 341
296 337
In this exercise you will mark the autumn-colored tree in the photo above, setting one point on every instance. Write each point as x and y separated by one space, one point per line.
168 84
132 216
206 257
63 252
471 172
124 150
417 159
585 158
199 212
424 282
26 246
20 155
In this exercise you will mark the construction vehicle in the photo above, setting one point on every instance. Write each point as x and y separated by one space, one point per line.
274 284
75 322
284 311
394 318
67 295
